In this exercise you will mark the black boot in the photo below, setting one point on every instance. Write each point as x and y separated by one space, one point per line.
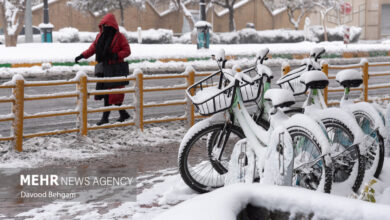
104 119
123 115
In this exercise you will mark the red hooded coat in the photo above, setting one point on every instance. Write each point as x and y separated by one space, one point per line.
119 45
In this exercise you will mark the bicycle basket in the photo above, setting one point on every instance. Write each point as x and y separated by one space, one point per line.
291 81
213 94
250 92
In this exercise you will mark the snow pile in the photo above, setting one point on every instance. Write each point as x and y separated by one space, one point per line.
68 35
226 203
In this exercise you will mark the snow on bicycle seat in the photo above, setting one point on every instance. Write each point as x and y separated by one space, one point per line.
349 78
280 97
314 79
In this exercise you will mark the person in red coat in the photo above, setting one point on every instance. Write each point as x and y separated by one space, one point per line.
110 47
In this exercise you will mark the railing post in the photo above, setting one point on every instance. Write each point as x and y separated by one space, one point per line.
325 69
365 80
190 110
285 68
139 97
82 102
18 111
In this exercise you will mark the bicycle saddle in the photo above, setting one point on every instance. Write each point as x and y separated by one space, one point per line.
349 78
314 79
280 97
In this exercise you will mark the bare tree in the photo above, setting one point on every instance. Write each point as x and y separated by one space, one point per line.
181 5
325 7
298 6
12 16
229 4
104 6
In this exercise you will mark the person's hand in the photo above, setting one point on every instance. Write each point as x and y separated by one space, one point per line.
76 60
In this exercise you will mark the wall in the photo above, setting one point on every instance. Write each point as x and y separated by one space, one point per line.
254 12
61 15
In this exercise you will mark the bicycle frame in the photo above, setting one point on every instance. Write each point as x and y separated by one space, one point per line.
259 139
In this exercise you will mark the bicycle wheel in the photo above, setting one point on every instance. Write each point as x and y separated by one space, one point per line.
345 155
310 170
375 153
216 144
195 160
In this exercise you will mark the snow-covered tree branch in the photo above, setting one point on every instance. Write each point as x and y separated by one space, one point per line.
325 7
228 4
12 16
104 6
298 6
181 5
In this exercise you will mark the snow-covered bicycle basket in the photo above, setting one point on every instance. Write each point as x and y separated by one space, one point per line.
215 93
292 82
251 91
212 94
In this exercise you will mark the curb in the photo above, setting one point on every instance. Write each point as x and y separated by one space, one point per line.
288 56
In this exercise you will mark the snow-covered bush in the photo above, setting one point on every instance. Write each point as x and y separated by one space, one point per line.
183 39
334 34
152 36
87 37
244 36
68 35
214 38
248 36
229 38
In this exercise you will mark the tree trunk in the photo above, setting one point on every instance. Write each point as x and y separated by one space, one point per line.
325 32
232 25
122 16
11 40
187 15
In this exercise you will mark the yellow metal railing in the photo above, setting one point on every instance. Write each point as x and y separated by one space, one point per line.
82 95
364 66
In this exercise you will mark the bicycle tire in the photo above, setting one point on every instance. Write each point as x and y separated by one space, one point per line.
199 187
345 137
296 131
367 124
326 172
191 180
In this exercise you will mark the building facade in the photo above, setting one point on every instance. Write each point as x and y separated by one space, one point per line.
62 14
373 16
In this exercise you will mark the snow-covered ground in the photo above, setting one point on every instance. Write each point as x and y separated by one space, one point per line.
161 189
42 151
62 52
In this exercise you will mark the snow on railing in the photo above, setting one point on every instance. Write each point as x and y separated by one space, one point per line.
18 97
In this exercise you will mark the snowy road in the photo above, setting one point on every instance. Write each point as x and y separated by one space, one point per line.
68 122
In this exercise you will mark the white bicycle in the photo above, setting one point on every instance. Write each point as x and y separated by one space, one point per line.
370 117
293 151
